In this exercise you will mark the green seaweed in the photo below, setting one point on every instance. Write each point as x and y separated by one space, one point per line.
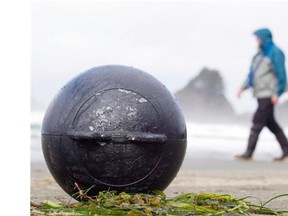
156 203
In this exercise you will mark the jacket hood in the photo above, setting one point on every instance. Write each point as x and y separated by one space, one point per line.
266 38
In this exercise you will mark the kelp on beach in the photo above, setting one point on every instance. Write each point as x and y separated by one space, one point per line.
156 203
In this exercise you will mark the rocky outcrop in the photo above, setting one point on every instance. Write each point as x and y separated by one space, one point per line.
203 99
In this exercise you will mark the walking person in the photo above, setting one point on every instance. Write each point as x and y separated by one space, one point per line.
267 78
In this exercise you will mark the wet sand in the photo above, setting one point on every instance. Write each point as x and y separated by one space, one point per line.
260 179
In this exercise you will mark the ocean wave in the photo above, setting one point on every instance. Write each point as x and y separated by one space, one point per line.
213 141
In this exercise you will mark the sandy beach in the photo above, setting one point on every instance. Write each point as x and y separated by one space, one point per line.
260 179
209 166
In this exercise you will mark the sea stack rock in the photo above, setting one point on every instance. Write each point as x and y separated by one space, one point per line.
203 99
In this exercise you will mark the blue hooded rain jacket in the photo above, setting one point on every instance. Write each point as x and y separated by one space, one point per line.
267 74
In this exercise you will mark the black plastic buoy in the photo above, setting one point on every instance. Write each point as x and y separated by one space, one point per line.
114 128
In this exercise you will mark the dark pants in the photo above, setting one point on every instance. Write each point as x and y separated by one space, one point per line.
264 116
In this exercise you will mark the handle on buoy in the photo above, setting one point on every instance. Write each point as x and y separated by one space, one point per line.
119 137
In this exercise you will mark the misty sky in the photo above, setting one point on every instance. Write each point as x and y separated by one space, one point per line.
171 40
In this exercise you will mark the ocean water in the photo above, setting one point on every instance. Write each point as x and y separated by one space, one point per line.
205 141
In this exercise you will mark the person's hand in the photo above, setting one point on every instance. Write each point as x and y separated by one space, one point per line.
274 100
239 93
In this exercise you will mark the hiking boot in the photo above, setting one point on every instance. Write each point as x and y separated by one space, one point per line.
243 157
282 158
281 138
252 141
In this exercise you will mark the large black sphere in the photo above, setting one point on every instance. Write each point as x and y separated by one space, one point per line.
114 128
